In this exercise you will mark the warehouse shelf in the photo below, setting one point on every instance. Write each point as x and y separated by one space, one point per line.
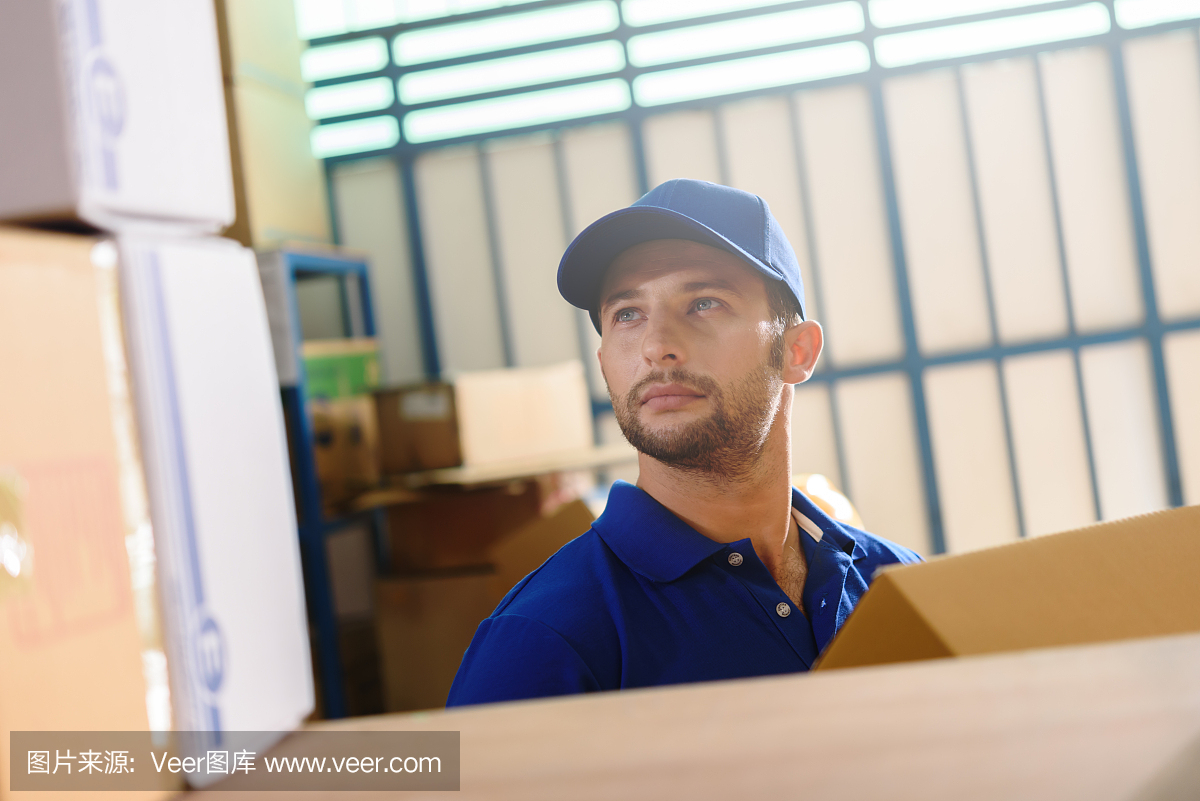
281 271
405 487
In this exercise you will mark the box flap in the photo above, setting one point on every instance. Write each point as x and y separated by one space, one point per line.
885 627
1110 581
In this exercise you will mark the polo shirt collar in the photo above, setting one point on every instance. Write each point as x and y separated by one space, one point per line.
652 541
834 534
648 537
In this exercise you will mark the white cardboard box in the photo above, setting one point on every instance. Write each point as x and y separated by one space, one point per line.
114 114
220 489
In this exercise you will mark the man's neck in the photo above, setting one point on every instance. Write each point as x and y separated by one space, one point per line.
730 508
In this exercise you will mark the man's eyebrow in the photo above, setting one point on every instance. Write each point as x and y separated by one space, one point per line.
690 287
617 297
714 283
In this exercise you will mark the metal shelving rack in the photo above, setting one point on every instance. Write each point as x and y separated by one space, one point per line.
351 273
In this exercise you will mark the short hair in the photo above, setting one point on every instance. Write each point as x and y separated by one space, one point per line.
785 313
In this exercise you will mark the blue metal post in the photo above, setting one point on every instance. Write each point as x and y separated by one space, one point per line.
1154 326
1072 331
913 363
985 266
429 343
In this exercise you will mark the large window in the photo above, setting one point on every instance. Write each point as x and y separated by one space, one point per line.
994 201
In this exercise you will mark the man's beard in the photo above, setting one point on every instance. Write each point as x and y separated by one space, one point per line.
726 444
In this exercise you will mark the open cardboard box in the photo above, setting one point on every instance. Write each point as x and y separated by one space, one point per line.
485 417
1119 580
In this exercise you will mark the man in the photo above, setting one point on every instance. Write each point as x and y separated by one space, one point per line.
713 566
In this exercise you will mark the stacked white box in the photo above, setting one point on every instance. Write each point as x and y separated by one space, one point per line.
114 114
216 459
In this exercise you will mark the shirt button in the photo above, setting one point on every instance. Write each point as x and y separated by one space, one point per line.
735 558
783 610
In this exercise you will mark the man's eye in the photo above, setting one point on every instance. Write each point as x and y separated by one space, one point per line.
704 304
625 315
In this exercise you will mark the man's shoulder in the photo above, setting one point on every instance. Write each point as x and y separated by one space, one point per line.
567 584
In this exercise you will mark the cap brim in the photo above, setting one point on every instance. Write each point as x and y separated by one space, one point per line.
583 266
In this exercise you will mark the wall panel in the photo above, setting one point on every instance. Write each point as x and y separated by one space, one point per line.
1015 201
1049 442
1182 354
459 260
814 446
530 238
850 232
369 205
1093 194
1124 427
937 212
1164 97
599 175
760 150
883 471
681 144
970 454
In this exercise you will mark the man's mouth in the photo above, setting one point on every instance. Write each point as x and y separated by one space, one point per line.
669 396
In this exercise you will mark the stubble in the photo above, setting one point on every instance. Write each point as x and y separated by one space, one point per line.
724 445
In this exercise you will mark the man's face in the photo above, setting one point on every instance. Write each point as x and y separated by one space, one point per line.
686 342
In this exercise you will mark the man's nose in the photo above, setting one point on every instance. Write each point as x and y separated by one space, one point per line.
662 344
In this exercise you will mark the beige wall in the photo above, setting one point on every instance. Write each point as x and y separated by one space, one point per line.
1016 223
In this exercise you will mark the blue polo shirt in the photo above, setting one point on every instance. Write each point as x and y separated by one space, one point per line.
643 599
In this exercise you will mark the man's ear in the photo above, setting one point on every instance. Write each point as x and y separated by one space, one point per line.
802 347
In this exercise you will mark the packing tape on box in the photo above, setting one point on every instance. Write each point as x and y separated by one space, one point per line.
16 551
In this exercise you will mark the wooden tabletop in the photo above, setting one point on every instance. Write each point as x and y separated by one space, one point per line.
1093 722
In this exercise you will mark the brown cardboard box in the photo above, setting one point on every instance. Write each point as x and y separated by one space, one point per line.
279 187
345 448
259 36
485 417
1095 722
418 428
424 624
1110 581
523 551
454 527
339 376
71 497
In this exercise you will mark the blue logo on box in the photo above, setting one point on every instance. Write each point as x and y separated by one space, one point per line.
210 654
107 98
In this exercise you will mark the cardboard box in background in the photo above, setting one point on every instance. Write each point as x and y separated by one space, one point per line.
113 111
279 186
425 621
211 423
424 624
345 449
78 634
1119 580
523 551
339 376
456 528
418 428
340 368
485 417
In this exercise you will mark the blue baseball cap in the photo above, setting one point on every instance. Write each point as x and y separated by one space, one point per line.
708 213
